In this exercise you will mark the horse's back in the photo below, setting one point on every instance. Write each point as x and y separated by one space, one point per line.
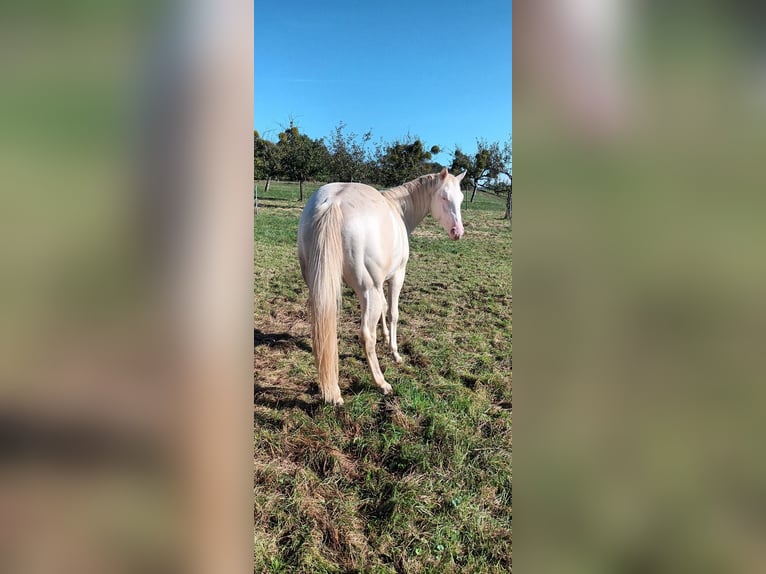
358 202
350 197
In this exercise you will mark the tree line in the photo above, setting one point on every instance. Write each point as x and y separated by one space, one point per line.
344 156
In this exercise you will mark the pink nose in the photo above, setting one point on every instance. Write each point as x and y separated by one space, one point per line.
456 232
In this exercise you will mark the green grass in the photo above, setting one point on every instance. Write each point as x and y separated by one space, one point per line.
418 481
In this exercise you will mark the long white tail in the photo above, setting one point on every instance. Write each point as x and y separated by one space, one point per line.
324 276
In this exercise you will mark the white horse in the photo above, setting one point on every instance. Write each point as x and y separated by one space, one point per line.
355 232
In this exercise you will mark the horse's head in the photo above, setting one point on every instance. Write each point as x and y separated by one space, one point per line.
445 205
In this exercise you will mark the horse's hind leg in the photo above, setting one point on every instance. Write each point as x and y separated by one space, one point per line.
394 288
373 304
383 325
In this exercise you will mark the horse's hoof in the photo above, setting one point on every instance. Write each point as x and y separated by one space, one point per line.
335 402
398 359
386 388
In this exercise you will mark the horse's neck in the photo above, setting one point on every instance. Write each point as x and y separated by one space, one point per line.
412 200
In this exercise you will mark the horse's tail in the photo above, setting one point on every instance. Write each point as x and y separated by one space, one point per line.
324 276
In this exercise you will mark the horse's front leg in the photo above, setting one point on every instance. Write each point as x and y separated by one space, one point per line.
395 287
373 303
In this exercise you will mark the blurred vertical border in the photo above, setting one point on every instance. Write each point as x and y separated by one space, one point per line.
125 286
639 276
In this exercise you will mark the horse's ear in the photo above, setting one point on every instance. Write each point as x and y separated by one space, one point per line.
444 173
461 176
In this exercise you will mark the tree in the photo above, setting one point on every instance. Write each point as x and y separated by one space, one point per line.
302 157
267 161
489 169
461 162
483 168
399 161
503 187
507 156
348 155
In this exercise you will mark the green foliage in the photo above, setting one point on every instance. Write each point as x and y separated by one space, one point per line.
461 162
267 162
348 156
302 158
402 161
507 157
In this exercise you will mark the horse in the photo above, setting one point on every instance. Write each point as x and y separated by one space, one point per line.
355 233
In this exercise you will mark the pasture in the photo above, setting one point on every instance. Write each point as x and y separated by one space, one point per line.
418 481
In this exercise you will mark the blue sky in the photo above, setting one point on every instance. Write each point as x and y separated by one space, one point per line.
437 69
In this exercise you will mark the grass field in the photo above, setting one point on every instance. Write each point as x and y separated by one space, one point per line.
418 481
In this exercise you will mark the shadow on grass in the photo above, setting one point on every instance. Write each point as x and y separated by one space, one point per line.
306 396
283 204
288 396
284 398
279 340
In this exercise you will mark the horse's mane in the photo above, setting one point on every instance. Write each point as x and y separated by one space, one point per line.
411 187
413 199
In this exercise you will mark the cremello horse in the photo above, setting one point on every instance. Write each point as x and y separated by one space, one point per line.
355 232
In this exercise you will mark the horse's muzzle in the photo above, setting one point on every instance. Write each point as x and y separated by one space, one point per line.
456 233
